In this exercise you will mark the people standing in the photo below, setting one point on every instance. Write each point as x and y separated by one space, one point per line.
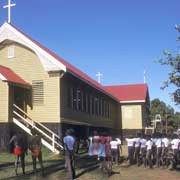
95 147
175 145
165 148
137 148
90 146
108 163
130 144
158 149
118 139
102 142
20 149
114 150
69 143
35 146
154 148
149 145
143 142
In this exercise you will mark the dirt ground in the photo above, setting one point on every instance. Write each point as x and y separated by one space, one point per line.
132 173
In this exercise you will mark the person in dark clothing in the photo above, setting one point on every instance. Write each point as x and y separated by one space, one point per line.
20 149
35 146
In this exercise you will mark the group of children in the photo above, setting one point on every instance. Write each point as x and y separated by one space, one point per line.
154 150
148 150
104 147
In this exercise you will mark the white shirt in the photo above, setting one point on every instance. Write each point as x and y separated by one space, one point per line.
175 143
114 144
130 142
165 142
154 140
149 144
118 140
143 143
159 143
137 142
69 141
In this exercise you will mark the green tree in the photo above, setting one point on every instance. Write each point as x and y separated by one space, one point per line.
173 62
166 112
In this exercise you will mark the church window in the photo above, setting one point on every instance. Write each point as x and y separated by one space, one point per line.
85 102
74 98
79 100
103 107
70 97
11 52
97 106
38 92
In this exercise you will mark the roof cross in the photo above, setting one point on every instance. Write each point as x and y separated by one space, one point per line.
99 75
9 10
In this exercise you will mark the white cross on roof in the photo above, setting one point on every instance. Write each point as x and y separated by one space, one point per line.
9 10
99 75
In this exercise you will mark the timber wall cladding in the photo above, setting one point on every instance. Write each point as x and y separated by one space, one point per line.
131 116
4 91
27 65
67 113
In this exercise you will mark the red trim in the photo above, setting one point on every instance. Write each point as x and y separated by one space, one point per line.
11 76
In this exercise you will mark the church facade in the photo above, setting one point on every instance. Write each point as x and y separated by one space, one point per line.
53 92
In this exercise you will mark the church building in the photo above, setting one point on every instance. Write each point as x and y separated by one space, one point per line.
40 89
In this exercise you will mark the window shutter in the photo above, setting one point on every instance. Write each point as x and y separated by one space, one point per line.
38 92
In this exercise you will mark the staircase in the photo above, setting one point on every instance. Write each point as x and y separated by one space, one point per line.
49 139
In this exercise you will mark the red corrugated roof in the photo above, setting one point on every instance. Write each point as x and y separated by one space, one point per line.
12 76
132 92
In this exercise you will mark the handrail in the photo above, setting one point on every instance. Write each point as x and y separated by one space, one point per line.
34 123
38 129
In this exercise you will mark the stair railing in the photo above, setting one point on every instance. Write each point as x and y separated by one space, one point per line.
24 118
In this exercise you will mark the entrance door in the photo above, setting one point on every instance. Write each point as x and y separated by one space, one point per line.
19 97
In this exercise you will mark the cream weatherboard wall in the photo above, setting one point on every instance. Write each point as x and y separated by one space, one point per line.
131 116
3 102
27 65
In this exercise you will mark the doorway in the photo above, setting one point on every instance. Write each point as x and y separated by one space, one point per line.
19 97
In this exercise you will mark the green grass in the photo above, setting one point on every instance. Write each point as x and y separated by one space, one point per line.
7 164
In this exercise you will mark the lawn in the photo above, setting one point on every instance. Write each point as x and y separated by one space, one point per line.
87 168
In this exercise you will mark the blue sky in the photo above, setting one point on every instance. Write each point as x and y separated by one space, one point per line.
119 38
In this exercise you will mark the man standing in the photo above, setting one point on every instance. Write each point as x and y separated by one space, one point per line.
158 150
165 146
35 146
137 148
149 145
130 144
175 145
69 143
20 148
114 150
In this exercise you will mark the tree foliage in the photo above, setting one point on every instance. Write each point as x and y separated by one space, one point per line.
166 112
173 62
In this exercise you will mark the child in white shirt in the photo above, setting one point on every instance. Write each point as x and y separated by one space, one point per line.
149 145
175 145
130 144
